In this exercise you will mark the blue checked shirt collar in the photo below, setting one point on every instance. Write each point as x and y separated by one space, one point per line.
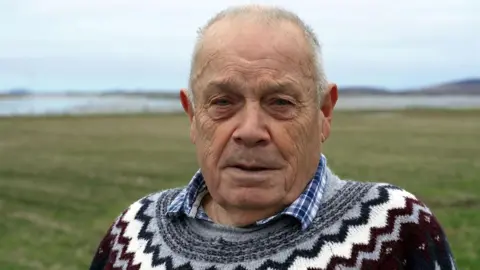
304 208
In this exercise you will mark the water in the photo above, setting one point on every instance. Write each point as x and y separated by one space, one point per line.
122 104
402 102
84 105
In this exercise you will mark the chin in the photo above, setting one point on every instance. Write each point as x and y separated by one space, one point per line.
251 198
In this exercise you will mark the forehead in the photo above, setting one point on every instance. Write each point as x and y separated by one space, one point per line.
248 50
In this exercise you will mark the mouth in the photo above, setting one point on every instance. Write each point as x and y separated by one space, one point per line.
252 168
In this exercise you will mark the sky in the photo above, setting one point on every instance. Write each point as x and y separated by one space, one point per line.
56 45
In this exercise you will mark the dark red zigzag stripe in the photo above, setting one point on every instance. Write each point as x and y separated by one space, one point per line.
124 255
374 233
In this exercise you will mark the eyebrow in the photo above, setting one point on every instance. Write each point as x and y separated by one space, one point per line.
219 86
223 84
280 87
230 85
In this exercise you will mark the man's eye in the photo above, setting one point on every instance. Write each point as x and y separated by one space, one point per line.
221 102
281 102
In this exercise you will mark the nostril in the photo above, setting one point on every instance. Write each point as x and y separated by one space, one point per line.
250 141
250 135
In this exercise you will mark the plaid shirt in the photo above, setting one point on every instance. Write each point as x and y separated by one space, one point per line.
304 208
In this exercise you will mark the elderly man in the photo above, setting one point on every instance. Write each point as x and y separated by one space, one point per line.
260 109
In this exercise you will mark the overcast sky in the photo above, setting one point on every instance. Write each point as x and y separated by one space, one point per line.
104 44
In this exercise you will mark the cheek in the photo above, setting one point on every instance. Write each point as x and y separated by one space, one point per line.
302 135
300 147
204 127
204 131
211 141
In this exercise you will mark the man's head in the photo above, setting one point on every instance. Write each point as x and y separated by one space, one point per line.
259 105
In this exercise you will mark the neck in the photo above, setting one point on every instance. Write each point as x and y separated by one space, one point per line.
235 217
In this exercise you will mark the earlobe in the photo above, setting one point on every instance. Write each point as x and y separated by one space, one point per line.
325 130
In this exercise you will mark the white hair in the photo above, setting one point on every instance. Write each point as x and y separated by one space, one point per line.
269 14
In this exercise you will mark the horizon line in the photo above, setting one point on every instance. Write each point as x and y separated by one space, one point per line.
170 90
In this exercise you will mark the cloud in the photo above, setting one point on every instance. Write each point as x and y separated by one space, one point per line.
398 36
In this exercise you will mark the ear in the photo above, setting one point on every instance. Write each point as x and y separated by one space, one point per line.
329 101
188 108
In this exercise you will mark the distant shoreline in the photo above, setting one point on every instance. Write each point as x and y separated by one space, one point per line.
42 105
175 96
463 87
181 113
159 95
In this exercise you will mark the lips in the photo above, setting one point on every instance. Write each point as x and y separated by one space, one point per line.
252 163
252 168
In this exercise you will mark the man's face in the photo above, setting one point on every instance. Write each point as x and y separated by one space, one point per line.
257 125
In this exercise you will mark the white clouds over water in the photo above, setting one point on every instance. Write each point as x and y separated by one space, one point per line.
59 44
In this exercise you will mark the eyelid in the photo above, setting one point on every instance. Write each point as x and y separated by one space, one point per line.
285 98
215 97
220 98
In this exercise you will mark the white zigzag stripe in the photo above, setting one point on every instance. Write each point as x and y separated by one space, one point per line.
118 263
128 217
399 221
356 235
136 245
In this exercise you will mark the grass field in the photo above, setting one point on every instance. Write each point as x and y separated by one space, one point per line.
63 180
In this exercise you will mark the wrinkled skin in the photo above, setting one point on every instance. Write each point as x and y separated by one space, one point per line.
257 125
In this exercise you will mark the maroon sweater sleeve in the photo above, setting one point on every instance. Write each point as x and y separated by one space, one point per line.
104 254
103 251
422 245
427 246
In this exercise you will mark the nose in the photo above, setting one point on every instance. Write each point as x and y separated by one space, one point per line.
252 129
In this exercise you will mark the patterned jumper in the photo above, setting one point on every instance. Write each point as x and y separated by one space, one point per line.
357 225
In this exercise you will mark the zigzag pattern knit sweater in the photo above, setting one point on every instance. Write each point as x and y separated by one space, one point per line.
358 226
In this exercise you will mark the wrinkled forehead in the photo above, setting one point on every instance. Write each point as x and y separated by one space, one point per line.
261 50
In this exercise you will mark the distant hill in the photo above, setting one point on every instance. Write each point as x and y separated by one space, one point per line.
363 90
140 93
17 92
461 87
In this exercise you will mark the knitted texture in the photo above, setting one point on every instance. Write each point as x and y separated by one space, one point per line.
358 226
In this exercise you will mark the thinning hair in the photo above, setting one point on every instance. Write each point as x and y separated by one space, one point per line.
269 15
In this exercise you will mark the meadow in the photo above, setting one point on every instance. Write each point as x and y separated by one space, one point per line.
64 179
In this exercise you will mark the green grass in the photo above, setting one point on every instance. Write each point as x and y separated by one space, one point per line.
64 179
